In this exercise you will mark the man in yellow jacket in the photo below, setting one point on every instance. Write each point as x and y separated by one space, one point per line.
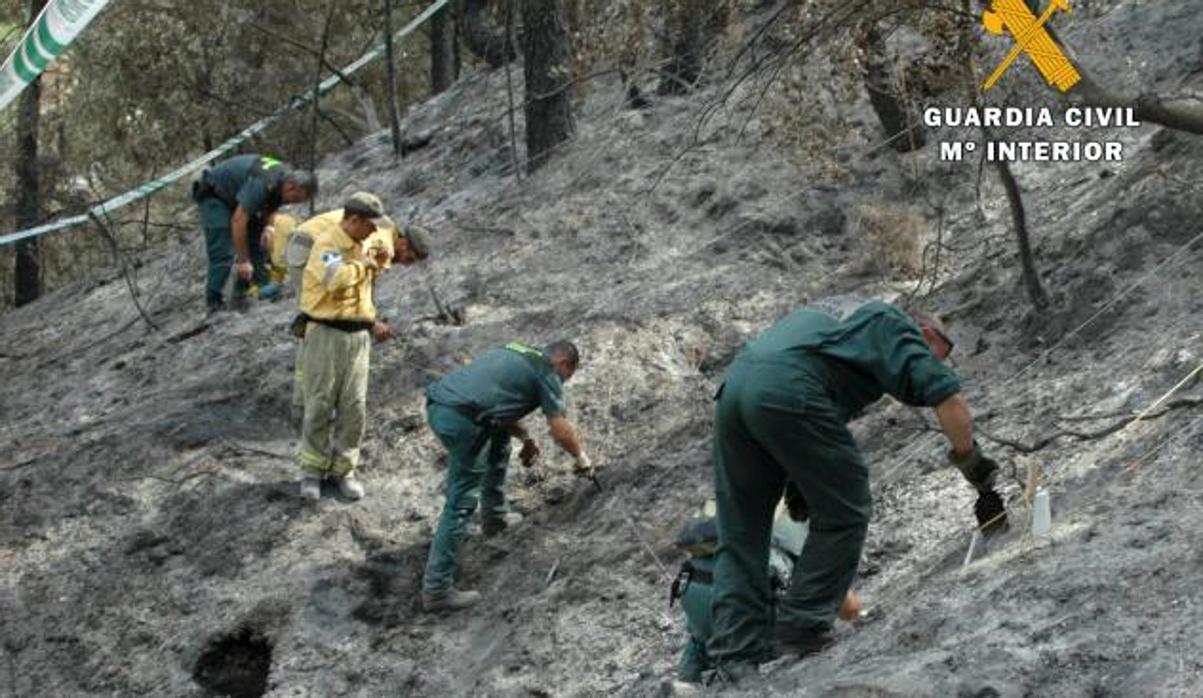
387 245
336 301
275 239
401 246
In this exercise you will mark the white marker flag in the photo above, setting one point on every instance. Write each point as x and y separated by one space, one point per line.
56 27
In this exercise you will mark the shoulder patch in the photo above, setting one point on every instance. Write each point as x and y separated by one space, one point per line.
331 257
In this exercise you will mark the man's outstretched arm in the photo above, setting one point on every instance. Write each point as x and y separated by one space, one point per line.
957 423
567 438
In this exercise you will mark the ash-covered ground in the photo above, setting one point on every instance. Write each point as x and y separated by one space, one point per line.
152 541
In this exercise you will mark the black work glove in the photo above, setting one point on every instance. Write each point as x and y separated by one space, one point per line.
795 503
991 513
979 471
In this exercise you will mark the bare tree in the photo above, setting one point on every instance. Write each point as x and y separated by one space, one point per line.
483 36
1181 113
28 272
547 47
902 127
509 90
1019 218
694 27
444 69
390 71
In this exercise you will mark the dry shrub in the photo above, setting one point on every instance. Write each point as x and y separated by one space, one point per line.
893 237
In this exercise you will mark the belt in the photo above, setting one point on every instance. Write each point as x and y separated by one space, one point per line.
471 413
343 325
487 428
477 417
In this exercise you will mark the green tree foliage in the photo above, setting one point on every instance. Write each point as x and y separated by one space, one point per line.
151 84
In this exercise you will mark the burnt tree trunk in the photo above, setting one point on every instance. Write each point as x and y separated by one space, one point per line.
902 127
484 37
443 67
1182 112
457 11
548 68
28 271
1019 218
390 57
694 27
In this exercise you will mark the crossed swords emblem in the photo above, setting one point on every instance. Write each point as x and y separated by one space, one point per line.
1033 39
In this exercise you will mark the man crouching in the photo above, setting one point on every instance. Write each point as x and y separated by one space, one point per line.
475 411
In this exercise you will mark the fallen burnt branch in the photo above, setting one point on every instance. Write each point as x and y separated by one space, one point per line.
1045 441
168 480
123 265
242 448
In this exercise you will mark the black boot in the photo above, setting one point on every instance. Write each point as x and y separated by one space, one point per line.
801 642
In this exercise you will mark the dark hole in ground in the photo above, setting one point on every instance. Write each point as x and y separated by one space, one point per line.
235 665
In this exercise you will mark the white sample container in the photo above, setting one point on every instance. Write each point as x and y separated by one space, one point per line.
1042 518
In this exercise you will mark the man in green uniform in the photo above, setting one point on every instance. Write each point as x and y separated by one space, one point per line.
474 412
694 584
236 199
780 416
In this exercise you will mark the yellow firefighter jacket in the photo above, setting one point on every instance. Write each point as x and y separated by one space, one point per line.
337 284
283 224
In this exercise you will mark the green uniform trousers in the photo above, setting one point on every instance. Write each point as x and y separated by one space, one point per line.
335 392
775 420
477 460
695 601
219 248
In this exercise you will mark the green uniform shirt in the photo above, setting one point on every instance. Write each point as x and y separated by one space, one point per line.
250 181
859 351
502 385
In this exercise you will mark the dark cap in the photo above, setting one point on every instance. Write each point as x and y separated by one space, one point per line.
419 240
369 206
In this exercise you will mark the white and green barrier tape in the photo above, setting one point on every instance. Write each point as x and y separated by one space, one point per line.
56 27
241 137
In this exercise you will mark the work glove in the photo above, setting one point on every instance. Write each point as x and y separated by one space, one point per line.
991 513
979 471
529 453
795 503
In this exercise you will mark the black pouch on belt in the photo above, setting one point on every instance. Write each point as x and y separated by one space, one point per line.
201 187
299 323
